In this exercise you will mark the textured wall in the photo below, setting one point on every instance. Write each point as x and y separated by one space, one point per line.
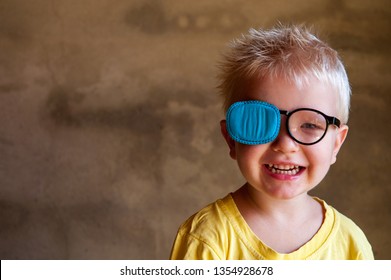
109 134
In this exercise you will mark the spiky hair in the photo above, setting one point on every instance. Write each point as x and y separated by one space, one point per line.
293 53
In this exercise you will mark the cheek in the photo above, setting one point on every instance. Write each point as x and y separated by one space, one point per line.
249 156
320 161
320 158
323 152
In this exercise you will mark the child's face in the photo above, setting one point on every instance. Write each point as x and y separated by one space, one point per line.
309 163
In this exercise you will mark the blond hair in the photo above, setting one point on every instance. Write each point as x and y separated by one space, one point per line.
290 52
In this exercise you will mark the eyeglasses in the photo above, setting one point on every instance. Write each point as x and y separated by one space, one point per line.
255 122
308 126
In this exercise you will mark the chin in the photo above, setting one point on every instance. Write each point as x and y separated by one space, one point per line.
286 194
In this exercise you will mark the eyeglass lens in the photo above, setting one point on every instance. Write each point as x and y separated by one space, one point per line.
306 126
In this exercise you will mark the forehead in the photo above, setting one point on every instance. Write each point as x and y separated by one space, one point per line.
287 95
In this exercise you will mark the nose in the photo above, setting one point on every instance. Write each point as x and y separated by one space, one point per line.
284 142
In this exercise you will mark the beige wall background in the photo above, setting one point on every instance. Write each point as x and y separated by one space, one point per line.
109 120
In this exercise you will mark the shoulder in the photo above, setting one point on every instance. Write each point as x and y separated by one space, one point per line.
206 233
209 220
349 235
347 227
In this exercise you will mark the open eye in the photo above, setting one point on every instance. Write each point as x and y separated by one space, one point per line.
311 126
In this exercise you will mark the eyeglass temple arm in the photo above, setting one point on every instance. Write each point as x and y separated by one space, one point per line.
334 120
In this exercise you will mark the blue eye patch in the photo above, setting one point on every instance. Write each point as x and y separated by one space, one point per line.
253 122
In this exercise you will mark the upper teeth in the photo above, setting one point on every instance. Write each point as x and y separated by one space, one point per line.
288 169
283 167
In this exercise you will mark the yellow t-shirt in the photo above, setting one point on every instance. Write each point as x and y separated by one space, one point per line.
220 232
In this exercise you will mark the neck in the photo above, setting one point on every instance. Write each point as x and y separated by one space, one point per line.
282 224
278 209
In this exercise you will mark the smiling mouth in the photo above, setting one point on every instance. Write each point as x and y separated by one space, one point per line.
284 169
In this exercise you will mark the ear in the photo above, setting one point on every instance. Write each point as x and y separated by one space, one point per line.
228 139
340 138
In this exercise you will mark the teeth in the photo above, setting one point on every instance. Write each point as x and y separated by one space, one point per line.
284 169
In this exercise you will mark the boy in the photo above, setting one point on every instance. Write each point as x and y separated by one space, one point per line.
286 95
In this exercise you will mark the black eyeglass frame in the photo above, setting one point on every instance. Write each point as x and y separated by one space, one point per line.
329 120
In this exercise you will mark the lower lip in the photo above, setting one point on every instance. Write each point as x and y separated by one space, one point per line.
284 177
